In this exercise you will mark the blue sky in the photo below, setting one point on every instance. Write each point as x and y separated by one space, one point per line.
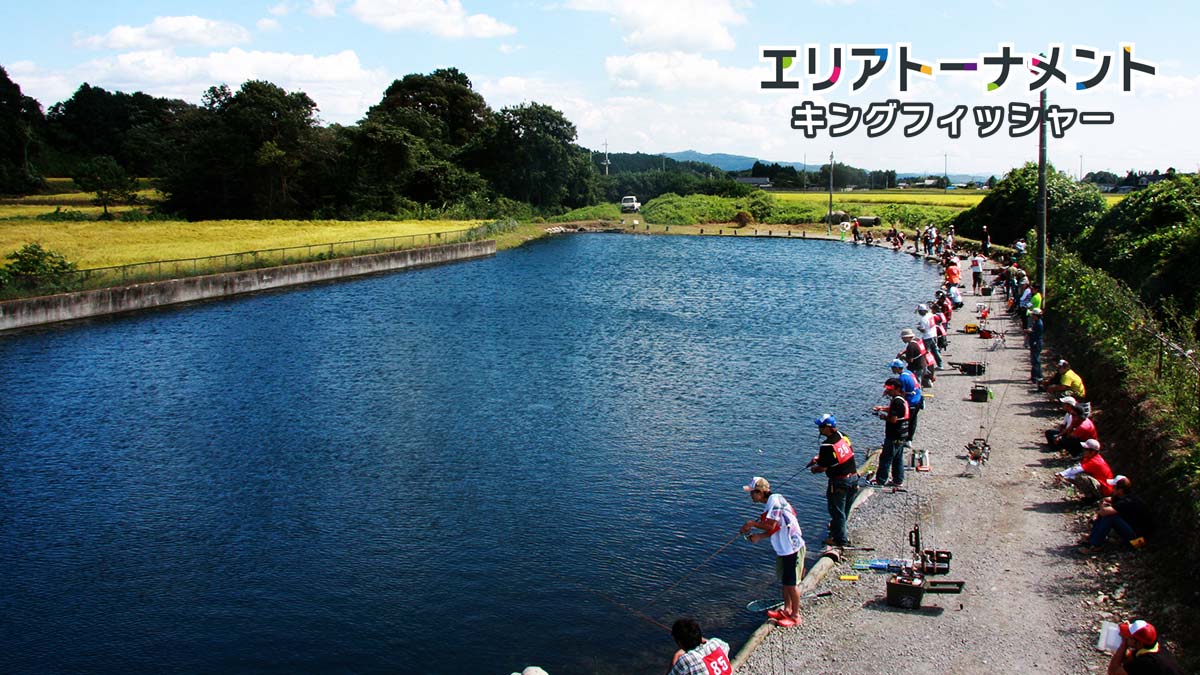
647 75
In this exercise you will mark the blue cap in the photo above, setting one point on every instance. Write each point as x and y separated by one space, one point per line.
826 420
897 363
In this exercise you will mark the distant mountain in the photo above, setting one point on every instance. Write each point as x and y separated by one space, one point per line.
722 161
727 162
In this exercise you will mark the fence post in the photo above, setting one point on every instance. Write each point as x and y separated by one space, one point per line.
1161 349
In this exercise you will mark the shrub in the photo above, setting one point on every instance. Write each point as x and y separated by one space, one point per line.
1010 208
59 214
33 268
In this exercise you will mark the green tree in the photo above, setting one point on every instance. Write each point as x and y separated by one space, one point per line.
1010 208
528 153
104 176
256 153
440 108
21 122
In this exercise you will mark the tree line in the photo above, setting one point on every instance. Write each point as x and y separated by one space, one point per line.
430 146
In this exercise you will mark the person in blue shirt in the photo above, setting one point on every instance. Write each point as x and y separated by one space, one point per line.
911 386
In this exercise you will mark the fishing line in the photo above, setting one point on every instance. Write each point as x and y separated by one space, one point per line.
692 571
640 615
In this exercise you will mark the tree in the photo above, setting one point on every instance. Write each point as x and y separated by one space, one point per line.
256 153
108 180
1010 208
21 123
528 153
440 108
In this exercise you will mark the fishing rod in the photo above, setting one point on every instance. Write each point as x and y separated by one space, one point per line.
641 615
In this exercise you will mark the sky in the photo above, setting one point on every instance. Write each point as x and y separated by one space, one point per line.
659 75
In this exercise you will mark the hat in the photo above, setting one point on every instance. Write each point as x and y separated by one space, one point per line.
922 308
1035 310
1062 362
826 420
1116 479
1142 630
1069 400
757 483
897 363
1091 444
907 332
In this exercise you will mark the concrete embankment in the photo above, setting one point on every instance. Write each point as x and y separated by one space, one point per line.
30 312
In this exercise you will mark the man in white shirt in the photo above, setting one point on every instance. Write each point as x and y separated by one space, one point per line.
778 521
977 273
927 327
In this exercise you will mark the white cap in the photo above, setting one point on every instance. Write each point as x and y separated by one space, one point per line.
922 308
1069 400
757 483
1091 444
1116 479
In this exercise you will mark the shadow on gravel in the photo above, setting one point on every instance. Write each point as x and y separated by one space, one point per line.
880 605
1060 506
1051 462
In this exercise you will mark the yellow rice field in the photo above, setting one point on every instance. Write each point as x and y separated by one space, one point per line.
106 243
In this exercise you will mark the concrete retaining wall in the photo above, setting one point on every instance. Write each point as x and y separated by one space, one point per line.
68 306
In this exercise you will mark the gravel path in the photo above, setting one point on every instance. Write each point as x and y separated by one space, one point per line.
1027 606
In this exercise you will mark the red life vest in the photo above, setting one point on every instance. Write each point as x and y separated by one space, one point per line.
929 360
939 323
842 451
907 410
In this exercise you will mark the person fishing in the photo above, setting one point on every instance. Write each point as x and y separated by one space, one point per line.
835 458
697 655
779 523
912 393
895 415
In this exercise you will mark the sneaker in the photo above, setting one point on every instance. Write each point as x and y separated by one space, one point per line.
776 614
871 482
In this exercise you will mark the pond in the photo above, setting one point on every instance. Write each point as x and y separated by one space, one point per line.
461 469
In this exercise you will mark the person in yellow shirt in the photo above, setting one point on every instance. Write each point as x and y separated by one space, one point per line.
1066 379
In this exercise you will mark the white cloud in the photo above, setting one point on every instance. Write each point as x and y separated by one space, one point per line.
510 49
282 9
267 24
169 31
323 8
444 18
681 70
339 83
661 25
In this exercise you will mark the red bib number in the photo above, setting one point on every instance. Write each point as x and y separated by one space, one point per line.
717 663
842 451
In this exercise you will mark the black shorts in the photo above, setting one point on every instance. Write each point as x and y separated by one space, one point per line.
789 568
977 277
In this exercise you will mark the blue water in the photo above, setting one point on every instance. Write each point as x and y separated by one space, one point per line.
422 472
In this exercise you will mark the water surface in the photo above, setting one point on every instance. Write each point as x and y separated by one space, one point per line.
422 472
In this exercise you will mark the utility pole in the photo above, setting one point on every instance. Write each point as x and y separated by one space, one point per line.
829 218
945 172
606 162
1041 200
804 176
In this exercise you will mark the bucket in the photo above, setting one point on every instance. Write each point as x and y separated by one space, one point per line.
1110 637
986 290
971 328
980 393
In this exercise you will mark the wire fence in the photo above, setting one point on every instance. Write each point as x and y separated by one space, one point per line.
160 270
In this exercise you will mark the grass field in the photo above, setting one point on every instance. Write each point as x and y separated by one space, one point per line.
107 243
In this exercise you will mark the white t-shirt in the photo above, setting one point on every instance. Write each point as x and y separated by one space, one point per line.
787 539
977 264
927 325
